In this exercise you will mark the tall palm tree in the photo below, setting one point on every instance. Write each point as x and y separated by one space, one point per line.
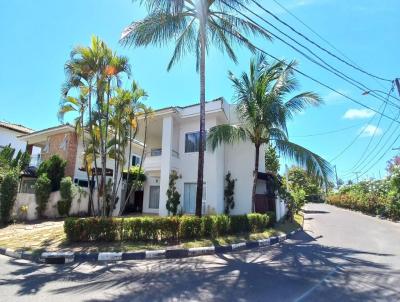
264 104
194 25
96 68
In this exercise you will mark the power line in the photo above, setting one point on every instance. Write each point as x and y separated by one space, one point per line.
297 70
314 43
353 141
371 139
329 132
382 149
330 68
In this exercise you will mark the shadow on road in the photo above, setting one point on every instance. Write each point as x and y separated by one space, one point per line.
315 212
279 273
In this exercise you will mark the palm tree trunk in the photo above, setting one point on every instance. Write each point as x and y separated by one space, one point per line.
255 177
200 167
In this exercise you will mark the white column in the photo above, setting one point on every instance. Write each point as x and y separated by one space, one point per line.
166 153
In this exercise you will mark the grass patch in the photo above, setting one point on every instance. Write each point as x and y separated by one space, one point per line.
45 237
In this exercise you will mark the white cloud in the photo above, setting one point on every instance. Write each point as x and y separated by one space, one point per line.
370 130
333 97
358 113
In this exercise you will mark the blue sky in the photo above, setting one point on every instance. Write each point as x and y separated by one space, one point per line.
37 37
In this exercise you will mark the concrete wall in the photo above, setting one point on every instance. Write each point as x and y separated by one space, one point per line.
79 205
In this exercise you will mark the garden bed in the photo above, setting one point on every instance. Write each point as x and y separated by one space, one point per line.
50 236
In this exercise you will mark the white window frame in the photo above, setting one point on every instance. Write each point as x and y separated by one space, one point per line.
150 206
194 132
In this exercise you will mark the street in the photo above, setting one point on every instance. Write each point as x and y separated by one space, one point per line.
340 256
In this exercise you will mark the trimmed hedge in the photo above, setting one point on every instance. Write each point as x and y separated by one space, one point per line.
161 229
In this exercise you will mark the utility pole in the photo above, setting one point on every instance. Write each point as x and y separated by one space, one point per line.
356 173
337 182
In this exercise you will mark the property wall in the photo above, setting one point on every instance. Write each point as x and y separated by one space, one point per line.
79 205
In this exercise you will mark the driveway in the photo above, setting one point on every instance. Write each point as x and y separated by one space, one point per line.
341 256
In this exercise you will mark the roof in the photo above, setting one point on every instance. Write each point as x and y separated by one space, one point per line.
67 127
174 108
16 127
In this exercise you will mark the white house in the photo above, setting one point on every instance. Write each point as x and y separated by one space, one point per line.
9 135
172 144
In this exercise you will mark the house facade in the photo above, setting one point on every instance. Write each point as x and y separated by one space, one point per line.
9 135
172 144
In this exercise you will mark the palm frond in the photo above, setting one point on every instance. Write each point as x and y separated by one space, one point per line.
313 163
225 134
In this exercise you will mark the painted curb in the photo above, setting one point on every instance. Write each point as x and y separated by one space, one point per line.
70 257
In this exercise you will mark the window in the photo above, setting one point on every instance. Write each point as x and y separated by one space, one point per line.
83 183
154 197
192 142
155 152
28 186
189 197
135 160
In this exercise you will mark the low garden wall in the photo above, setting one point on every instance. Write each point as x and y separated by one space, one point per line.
79 206
161 229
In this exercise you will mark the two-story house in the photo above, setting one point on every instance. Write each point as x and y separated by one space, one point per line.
172 144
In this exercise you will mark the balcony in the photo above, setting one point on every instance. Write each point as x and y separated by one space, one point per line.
152 160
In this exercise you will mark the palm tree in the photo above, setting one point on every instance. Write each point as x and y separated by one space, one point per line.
194 25
264 105
96 68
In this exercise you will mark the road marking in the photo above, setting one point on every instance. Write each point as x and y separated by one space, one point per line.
317 285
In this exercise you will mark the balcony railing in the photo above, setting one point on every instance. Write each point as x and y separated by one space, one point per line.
35 161
158 152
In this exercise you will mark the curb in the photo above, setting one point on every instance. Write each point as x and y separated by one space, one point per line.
70 257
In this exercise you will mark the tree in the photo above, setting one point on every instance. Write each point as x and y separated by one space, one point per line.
8 194
96 72
263 112
300 180
173 196
229 193
54 169
10 163
194 25
271 160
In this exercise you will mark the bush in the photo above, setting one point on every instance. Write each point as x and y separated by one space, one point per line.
173 196
161 229
42 193
54 167
239 224
8 194
190 227
67 195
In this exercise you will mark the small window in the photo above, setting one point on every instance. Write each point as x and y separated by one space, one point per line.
154 198
156 152
83 183
135 160
192 142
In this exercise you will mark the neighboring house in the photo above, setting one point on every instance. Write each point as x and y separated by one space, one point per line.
9 135
172 144
63 141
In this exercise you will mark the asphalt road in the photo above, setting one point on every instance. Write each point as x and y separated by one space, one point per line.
341 256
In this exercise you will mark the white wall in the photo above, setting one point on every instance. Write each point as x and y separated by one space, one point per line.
8 136
239 160
25 199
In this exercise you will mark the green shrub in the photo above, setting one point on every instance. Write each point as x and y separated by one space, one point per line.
239 224
173 196
67 195
42 193
258 222
161 229
54 167
8 194
190 227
